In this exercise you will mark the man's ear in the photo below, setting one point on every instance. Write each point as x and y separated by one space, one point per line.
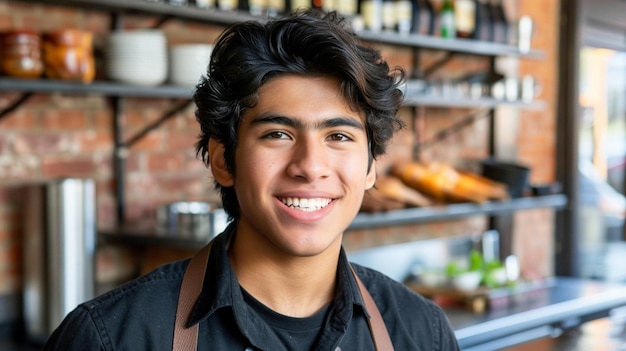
370 180
218 164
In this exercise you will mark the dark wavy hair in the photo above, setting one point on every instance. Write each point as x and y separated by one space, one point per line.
309 43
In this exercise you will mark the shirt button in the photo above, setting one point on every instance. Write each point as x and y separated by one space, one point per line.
338 348
248 349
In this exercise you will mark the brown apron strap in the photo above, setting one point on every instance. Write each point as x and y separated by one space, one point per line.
186 339
382 341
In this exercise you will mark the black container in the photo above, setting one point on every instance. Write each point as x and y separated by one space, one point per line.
514 175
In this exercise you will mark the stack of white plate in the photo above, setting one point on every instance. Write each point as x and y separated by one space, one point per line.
188 63
137 57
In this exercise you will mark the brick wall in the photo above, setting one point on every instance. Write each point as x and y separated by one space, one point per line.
536 140
60 135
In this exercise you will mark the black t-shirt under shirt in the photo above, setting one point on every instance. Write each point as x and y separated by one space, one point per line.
294 333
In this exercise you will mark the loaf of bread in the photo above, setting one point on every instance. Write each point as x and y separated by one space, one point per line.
479 187
394 188
444 183
433 179
375 201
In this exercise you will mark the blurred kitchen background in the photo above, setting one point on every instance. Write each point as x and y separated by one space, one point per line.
517 114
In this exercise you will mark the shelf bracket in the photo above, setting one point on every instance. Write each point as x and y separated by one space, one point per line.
437 65
120 152
161 22
454 128
417 126
154 125
15 105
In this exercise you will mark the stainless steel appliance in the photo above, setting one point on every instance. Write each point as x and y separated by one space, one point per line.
59 250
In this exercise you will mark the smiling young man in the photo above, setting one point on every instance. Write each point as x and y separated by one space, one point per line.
293 114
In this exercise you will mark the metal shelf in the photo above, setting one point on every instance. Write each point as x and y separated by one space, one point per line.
415 95
172 91
97 87
149 237
157 8
435 213
142 235
463 102
466 46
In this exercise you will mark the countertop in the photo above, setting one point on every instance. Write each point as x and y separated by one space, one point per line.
548 310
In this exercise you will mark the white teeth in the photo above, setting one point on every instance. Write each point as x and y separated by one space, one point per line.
304 204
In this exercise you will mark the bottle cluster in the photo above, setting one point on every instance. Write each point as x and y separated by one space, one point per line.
484 20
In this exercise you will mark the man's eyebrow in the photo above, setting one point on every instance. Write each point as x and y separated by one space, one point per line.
295 123
342 121
276 119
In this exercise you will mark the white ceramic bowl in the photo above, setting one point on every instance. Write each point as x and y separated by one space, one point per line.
137 57
433 278
467 281
188 63
499 276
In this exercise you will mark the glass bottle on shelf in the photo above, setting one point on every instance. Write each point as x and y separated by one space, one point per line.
447 20
423 17
465 18
347 8
228 5
205 4
404 16
524 34
371 11
500 22
297 5
389 15
242 5
319 4
484 21
326 5
350 10
275 7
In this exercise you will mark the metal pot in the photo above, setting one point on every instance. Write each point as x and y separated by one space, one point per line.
191 219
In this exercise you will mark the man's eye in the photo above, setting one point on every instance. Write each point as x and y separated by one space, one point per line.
339 137
277 135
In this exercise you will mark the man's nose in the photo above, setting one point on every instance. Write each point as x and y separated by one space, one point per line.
309 160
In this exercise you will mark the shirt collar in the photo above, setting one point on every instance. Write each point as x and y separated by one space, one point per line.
220 287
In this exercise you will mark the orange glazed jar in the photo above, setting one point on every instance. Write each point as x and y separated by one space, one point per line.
68 55
21 54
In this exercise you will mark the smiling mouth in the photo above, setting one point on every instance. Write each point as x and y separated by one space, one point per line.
304 204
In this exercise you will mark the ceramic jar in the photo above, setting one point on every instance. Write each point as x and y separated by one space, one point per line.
21 54
68 55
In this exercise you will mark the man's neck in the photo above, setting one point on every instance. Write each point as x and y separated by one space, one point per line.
292 286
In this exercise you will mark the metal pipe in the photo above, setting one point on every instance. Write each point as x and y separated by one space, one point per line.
120 153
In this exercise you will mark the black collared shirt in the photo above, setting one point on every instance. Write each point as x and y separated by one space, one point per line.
140 314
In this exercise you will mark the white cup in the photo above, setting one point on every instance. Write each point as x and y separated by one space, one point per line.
511 89
524 34
529 89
